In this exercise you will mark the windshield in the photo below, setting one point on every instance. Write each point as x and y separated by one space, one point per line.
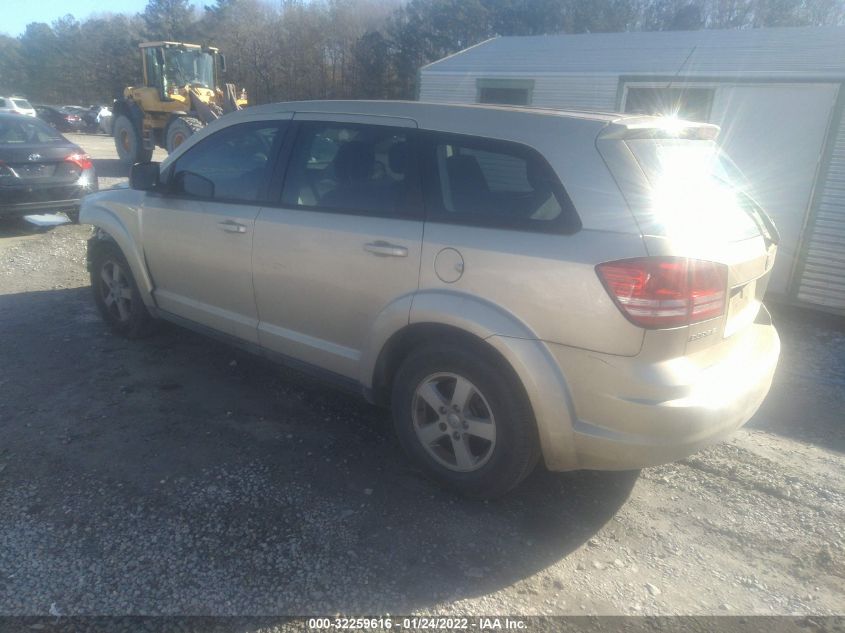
697 188
22 103
189 67
26 132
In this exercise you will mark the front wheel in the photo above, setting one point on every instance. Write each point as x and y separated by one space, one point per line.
465 420
116 293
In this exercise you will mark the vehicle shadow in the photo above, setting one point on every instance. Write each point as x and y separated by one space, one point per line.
808 391
217 473
110 168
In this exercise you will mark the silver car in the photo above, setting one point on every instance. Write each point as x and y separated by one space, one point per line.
514 284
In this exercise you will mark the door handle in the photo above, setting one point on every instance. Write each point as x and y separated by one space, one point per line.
232 227
381 248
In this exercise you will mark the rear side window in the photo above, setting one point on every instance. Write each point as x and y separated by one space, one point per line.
352 168
230 165
471 180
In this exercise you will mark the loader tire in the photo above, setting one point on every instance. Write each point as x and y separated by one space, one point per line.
179 129
127 140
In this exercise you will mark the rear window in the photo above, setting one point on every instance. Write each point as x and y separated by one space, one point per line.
22 103
697 189
26 131
486 182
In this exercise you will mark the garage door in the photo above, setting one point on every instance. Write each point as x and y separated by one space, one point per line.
823 275
775 133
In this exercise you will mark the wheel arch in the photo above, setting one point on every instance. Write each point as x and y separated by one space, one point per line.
437 316
110 229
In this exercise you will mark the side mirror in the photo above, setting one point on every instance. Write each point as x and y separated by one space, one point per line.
222 63
144 176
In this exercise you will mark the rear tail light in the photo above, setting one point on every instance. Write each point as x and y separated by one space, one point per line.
665 292
83 161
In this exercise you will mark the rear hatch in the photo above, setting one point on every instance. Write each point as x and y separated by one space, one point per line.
690 200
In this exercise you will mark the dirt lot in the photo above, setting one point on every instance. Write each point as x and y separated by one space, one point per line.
177 476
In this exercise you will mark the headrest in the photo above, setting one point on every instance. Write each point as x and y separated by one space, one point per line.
354 161
397 157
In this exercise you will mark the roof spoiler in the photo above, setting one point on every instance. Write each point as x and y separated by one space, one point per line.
657 127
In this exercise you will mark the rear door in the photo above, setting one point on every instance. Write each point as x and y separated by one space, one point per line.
198 233
344 242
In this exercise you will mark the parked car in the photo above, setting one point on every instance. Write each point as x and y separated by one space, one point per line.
40 170
16 105
512 283
62 121
94 119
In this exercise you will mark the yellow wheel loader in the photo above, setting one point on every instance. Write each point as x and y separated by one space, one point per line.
182 93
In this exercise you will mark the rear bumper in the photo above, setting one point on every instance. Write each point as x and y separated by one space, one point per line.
29 208
631 414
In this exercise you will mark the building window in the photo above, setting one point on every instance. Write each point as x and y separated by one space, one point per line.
686 103
505 91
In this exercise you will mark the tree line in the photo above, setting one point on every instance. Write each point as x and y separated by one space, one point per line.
334 49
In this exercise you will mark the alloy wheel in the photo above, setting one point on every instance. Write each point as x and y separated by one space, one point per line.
116 290
454 422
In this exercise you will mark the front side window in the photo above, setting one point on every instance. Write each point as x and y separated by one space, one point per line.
231 165
351 168
487 182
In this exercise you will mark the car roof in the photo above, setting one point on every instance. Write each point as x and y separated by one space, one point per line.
421 110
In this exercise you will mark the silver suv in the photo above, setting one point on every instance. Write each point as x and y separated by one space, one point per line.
514 284
16 105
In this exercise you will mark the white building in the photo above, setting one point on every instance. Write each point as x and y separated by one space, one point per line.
778 94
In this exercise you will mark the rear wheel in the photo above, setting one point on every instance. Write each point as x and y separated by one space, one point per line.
127 140
465 420
116 293
179 130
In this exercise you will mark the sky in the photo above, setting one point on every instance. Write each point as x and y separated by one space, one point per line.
16 14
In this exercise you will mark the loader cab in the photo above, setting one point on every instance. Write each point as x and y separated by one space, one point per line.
172 68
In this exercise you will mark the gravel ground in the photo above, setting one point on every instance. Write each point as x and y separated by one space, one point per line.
177 476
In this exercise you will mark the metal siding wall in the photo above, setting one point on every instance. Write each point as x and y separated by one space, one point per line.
436 88
585 92
823 279
576 92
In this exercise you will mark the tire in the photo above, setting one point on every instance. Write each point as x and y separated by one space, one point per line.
127 315
178 131
127 140
489 444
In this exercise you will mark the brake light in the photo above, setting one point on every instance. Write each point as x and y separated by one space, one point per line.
83 161
665 292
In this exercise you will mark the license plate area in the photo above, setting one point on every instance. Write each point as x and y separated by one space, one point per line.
743 306
35 170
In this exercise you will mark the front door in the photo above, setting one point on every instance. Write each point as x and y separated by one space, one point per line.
343 245
198 232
